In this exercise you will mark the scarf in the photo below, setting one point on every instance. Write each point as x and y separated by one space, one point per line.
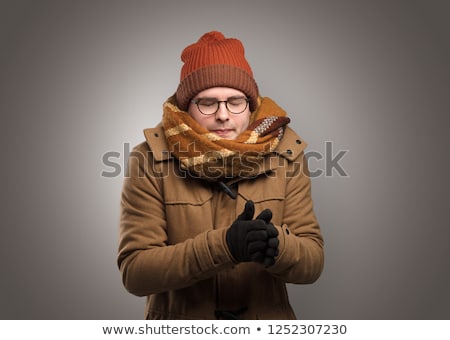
206 155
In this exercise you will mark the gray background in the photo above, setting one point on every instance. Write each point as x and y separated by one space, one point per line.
82 78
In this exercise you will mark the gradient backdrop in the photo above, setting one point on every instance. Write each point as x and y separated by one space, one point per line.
81 79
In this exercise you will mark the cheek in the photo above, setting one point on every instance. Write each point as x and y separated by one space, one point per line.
199 118
243 122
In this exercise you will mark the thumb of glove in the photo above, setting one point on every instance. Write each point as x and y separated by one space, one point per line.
265 215
249 211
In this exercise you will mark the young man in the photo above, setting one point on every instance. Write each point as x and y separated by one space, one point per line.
216 205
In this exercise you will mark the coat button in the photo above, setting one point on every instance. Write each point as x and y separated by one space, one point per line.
289 151
298 141
156 134
287 231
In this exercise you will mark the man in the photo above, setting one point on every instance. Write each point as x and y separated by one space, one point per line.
216 205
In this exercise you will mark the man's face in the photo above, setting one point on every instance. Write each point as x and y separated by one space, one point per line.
223 123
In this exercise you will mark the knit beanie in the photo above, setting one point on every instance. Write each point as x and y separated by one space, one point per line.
215 61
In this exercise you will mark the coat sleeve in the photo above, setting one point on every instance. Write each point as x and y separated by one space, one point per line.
301 255
147 264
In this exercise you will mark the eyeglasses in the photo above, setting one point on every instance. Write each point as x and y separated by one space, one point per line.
210 106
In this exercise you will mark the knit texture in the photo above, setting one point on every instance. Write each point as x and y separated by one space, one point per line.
206 155
215 61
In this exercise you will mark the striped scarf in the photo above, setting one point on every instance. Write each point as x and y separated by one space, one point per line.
205 155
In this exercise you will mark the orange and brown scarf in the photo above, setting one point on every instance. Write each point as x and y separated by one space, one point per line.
206 155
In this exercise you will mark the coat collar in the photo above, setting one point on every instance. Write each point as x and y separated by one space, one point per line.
291 145
157 142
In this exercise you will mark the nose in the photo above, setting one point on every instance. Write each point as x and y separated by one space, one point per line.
222 113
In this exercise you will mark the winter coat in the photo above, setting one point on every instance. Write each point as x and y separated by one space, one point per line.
172 245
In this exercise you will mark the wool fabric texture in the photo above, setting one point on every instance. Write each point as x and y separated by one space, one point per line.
215 61
206 155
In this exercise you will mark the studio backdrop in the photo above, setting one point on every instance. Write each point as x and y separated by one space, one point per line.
366 84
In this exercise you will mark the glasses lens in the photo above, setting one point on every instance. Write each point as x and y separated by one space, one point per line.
208 106
237 105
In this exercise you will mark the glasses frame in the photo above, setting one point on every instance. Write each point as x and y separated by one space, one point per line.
196 102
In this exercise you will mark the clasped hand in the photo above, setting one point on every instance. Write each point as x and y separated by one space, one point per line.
253 239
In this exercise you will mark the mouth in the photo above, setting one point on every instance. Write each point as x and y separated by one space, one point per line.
222 132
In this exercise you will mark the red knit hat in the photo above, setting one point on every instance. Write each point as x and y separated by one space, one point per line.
211 62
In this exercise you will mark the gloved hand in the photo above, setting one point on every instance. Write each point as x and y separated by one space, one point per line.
253 240
267 256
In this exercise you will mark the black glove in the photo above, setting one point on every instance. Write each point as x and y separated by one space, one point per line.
253 240
272 246
267 255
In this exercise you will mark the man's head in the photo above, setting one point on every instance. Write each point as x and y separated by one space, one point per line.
215 61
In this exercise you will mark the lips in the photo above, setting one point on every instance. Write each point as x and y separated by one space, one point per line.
222 132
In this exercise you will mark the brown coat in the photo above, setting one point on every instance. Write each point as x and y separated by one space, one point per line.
172 235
